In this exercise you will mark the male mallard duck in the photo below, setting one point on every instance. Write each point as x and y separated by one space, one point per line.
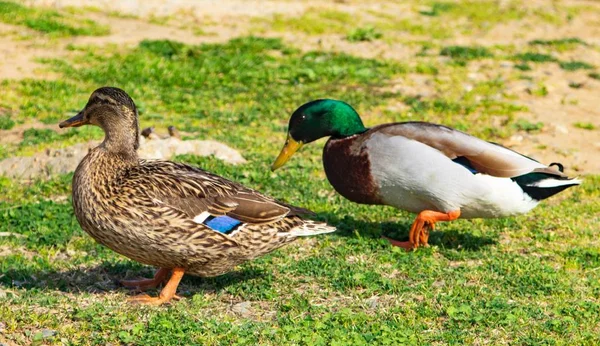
433 170
166 214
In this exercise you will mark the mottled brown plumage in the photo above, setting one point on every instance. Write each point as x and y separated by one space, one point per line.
154 212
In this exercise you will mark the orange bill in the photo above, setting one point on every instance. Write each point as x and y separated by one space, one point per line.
290 147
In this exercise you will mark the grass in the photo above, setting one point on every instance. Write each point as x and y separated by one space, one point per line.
575 65
314 21
560 45
527 280
534 57
438 21
466 53
49 21
364 34
585 126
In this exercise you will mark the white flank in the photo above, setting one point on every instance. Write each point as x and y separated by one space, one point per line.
414 176
201 217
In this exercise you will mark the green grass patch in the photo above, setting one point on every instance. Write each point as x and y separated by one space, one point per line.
315 21
560 45
6 123
49 21
480 14
438 8
364 34
527 126
466 53
594 75
585 126
466 284
575 65
534 57
523 67
539 90
246 85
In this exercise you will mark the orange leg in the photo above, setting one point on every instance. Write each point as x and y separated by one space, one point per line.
167 293
419 231
142 285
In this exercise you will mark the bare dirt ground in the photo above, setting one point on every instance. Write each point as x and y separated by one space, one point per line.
559 140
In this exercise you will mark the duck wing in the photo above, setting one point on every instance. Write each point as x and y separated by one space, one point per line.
198 193
473 153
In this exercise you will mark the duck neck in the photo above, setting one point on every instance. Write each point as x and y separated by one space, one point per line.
121 139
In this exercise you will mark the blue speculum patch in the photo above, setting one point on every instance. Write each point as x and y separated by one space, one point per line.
222 224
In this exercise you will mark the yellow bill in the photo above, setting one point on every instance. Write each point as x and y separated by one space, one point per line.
74 121
290 147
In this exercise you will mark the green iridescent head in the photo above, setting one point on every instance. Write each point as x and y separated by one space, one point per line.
318 119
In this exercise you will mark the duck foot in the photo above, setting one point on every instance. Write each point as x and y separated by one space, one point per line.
167 293
423 224
144 284
406 245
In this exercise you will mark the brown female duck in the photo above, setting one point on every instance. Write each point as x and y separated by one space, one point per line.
179 218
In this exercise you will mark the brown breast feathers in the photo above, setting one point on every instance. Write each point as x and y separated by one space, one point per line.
348 169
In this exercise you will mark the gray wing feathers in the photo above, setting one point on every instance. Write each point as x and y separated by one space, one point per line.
486 157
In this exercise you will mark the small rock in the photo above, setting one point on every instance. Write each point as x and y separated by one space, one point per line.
46 333
440 283
65 160
2 295
11 234
2 327
473 76
173 132
242 309
506 64
147 131
153 136
372 302
514 140
561 129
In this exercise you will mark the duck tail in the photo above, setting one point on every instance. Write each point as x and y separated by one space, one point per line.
545 182
310 227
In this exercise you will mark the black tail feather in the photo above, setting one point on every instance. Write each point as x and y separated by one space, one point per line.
530 184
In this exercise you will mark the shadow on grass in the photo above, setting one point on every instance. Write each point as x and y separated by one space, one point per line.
348 226
106 276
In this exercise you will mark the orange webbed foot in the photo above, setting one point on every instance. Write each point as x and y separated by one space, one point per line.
423 224
167 293
406 245
144 284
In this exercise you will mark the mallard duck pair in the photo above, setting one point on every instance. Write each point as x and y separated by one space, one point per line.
182 219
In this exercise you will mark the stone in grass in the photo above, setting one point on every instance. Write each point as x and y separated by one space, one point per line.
242 309
61 161
44 334
372 302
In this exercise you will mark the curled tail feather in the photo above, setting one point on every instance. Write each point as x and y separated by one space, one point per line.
546 182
